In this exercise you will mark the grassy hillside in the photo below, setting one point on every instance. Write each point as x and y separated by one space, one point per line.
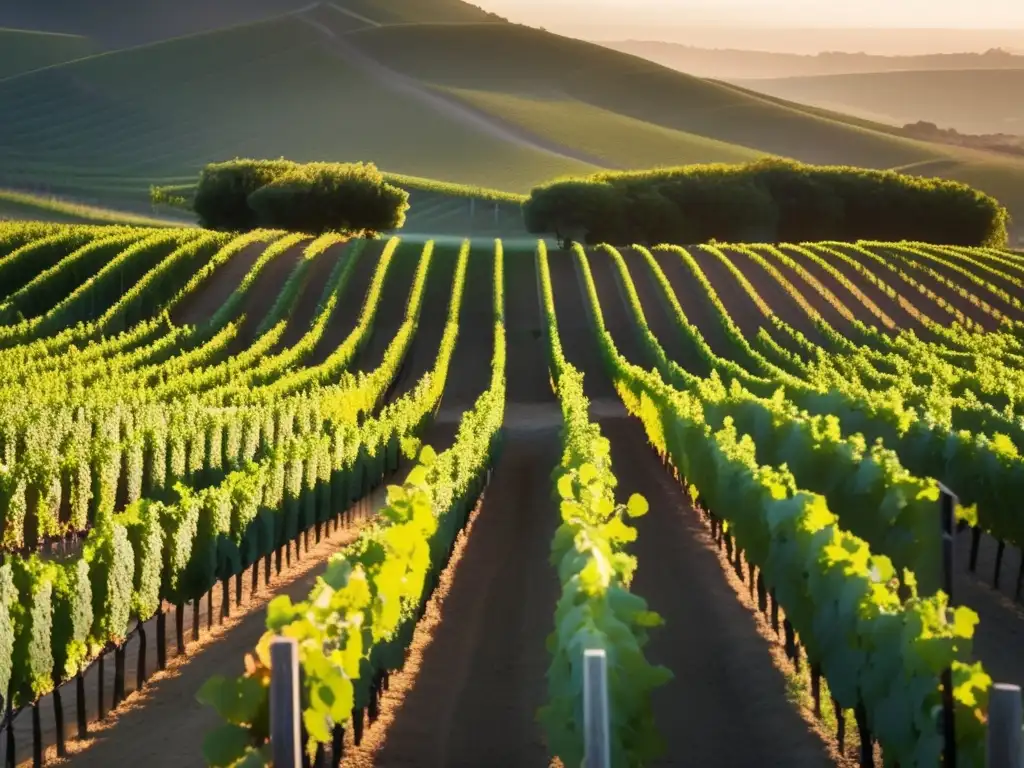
495 105
735 64
970 100
576 91
107 126
24 50
121 23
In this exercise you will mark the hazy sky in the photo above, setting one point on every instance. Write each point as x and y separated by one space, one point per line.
983 14
797 26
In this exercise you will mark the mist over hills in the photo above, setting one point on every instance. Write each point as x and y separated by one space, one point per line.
735 64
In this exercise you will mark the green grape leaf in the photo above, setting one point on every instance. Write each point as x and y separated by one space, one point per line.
637 506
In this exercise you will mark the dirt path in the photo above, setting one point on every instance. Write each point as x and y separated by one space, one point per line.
482 678
350 303
890 308
727 705
163 725
451 107
319 273
479 673
579 343
814 297
996 272
777 299
394 300
200 305
916 266
436 298
741 308
1000 633
470 371
528 379
617 317
982 292
262 294
723 708
922 303
661 323
694 300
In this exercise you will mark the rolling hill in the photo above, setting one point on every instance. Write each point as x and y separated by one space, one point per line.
24 50
977 101
123 23
494 105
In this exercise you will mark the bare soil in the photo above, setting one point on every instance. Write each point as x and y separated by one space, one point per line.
200 305
741 308
394 300
925 305
999 273
659 319
728 704
350 303
695 303
957 278
915 267
425 344
481 680
317 276
262 294
528 378
899 316
815 298
475 675
999 636
579 342
776 297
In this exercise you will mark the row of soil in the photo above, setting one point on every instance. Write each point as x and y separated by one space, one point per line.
437 296
394 299
480 673
317 276
262 293
350 303
727 703
201 304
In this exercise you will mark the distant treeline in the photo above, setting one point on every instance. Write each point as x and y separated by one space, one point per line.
353 198
1007 143
769 200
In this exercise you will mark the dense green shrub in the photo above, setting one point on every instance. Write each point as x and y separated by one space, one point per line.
768 200
141 520
111 571
32 616
323 197
72 618
9 604
313 197
222 196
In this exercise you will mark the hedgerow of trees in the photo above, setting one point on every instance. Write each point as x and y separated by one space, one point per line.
770 200
353 198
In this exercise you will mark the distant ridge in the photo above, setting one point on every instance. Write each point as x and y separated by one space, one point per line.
738 64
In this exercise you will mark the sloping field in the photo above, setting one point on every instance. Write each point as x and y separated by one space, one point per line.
284 381
460 99
583 95
112 124
970 100
23 50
